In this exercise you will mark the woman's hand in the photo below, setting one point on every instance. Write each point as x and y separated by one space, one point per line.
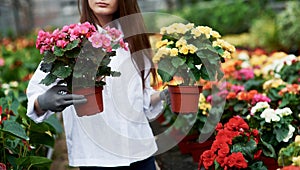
164 95
56 99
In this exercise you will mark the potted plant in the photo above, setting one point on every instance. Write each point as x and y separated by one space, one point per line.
79 56
236 146
277 128
290 155
188 53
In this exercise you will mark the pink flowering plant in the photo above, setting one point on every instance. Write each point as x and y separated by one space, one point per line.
78 52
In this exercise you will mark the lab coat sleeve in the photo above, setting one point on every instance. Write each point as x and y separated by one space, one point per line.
35 89
151 111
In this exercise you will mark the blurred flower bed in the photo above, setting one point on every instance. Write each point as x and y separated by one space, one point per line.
263 90
23 143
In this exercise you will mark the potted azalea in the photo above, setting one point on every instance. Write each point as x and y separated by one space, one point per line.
188 53
79 56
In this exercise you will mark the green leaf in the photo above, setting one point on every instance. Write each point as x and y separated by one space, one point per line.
39 161
39 127
177 62
217 165
268 149
285 101
62 71
73 53
219 50
12 145
273 94
4 103
105 60
281 133
58 51
166 70
204 73
12 160
259 165
15 129
54 122
46 67
72 45
238 107
49 79
195 74
24 118
220 74
34 162
14 106
170 38
254 84
247 149
41 138
49 57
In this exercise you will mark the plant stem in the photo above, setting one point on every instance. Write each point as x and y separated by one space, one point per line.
3 147
185 76
36 152
25 150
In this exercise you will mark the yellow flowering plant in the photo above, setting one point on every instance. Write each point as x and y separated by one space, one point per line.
191 53
290 155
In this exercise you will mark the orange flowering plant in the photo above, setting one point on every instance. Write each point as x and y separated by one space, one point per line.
238 100
283 94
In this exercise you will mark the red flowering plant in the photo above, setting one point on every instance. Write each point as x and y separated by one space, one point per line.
81 45
236 146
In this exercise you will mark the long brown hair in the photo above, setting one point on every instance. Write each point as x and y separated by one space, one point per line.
136 42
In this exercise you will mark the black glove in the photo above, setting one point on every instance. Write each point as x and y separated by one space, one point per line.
56 99
164 95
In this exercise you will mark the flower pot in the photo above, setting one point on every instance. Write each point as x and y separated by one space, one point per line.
199 148
184 99
186 144
94 102
270 163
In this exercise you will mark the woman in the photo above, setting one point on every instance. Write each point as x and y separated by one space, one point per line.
120 137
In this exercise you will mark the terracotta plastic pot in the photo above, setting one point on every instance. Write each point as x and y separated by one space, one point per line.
184 99
94 102
270 163
198 148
